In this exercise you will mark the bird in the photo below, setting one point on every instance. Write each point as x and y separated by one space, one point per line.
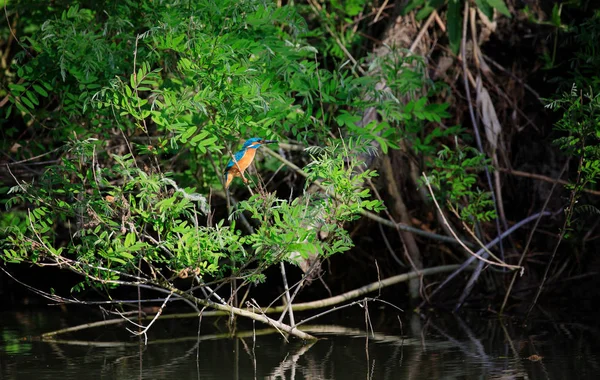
242 159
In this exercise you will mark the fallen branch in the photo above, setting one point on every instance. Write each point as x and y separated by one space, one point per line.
331 301
245 313
375 286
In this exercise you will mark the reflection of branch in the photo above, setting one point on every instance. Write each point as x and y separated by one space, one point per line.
227 335
296 307
481 357
289 362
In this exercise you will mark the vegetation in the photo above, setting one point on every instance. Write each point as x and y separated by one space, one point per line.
118 118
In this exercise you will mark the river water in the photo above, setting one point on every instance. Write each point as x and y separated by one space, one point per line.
397 346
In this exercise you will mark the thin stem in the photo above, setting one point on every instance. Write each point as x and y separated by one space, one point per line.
523 254
482 252
563 230
474 121
288 298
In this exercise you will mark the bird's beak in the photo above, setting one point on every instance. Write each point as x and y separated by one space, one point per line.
268 141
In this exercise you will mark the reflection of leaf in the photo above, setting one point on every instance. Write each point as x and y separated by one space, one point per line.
12 345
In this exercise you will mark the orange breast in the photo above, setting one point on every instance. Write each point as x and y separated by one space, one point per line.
246 160
238 168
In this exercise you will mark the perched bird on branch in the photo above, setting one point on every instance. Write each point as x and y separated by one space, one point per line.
242 159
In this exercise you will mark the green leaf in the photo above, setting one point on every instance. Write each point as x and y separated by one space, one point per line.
454 25
40 90
500 6
32 97
413 4
27 102
16 88
199 137
129 239
485 8
555 18
188 133
424 12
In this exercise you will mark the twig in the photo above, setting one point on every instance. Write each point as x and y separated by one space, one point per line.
336 308
380 11
316 8
33 158
52 297
389 247
288 298
430 19
298 286
255 305
528 87
246 313
158 313
543 178
332 301
563 230
440 22
482 252
480 257
12 32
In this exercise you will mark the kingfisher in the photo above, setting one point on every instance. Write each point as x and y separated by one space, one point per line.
242 159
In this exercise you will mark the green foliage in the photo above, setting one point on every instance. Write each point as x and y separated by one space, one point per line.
406 109
119 215
579 111
579 122
337 19
344 179
144 101
454 174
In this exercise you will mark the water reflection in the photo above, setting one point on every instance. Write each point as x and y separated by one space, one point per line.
419 348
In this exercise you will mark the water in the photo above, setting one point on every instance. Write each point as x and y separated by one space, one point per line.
442 347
